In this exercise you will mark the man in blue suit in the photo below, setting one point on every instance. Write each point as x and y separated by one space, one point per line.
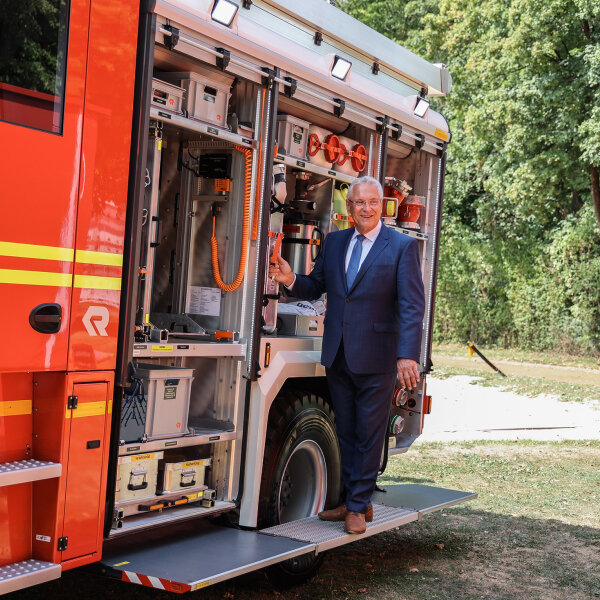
373 325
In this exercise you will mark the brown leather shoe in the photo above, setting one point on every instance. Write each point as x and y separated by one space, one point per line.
355 522
339 514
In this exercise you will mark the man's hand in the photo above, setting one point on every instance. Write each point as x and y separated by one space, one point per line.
282 272
408 373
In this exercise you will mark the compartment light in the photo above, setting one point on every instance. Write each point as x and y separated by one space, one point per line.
421 107
224 12
341 67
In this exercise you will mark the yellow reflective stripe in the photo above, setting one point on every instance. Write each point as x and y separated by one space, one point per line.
11 408
95 282
35 278
91 257
87 409
35 251
110 407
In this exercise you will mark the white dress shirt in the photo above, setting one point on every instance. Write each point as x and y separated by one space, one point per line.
366 245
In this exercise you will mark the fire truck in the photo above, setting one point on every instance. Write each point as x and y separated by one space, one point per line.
164 414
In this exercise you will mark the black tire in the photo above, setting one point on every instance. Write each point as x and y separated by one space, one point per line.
301 473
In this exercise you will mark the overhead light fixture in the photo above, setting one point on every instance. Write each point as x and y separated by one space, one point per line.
224 12
421 107
341 67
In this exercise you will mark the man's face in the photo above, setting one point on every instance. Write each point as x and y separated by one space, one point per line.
368 213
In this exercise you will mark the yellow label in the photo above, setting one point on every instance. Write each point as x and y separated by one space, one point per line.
139 457
162 348
204 584
441 134
12 408
193 463
159 145
125 562
193 496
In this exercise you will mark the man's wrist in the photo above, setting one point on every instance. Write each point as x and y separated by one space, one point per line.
292 282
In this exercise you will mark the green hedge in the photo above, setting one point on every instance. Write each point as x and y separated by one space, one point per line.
543 296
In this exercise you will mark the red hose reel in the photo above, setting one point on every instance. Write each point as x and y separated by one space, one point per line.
336 153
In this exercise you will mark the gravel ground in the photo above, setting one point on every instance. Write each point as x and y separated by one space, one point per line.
462 410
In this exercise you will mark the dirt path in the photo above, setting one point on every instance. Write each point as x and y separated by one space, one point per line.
462 410
551 372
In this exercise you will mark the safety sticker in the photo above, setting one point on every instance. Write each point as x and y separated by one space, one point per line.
43 538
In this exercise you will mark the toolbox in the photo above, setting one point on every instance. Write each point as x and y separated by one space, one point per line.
136 476
292 136
207 94
167 96
167 394
183 475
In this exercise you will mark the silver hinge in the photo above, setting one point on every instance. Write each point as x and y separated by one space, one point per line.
72 402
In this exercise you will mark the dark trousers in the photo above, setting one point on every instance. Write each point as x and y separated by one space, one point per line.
362 407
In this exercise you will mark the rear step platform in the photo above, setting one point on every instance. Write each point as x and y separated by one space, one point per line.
202 555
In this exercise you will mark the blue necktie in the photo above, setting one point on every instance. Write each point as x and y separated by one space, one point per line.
354 260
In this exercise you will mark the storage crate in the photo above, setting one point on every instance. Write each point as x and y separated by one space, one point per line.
292 136
137 476
167 393
183 475
207 94
167 96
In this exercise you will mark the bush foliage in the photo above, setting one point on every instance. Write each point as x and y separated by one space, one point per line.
520 253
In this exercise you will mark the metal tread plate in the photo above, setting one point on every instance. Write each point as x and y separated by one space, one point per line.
194 560
25 471
330 534
421 498
27 573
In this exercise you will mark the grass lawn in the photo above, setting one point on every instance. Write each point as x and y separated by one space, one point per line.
532 534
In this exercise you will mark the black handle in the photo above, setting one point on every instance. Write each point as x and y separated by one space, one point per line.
134 488
46 318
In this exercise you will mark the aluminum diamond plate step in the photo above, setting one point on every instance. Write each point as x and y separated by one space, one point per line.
330 534
24 471
27 573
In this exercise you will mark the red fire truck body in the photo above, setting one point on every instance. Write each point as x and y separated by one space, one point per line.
91 260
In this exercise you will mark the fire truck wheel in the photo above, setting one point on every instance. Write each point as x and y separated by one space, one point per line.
301 472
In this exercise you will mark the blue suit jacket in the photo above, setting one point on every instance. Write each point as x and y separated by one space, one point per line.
380 317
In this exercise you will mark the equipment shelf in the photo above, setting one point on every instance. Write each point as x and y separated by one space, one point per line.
199 127
207 437
306 165
178 348
181 513
412 233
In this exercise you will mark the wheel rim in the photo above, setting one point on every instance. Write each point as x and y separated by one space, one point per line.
303 485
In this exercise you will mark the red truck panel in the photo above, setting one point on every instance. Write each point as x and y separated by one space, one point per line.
38 187
103 188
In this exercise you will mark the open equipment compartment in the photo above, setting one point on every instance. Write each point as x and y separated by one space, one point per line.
195 292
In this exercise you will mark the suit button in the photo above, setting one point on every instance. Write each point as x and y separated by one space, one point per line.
347 300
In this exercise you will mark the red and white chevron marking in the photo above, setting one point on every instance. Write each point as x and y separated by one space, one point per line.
155 582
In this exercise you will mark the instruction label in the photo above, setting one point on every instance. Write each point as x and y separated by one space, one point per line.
204 301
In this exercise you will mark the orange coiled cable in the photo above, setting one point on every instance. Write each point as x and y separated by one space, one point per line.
235 284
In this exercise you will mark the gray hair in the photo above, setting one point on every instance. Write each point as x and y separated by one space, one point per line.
366 179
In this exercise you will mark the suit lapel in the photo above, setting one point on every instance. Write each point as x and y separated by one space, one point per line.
380 243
